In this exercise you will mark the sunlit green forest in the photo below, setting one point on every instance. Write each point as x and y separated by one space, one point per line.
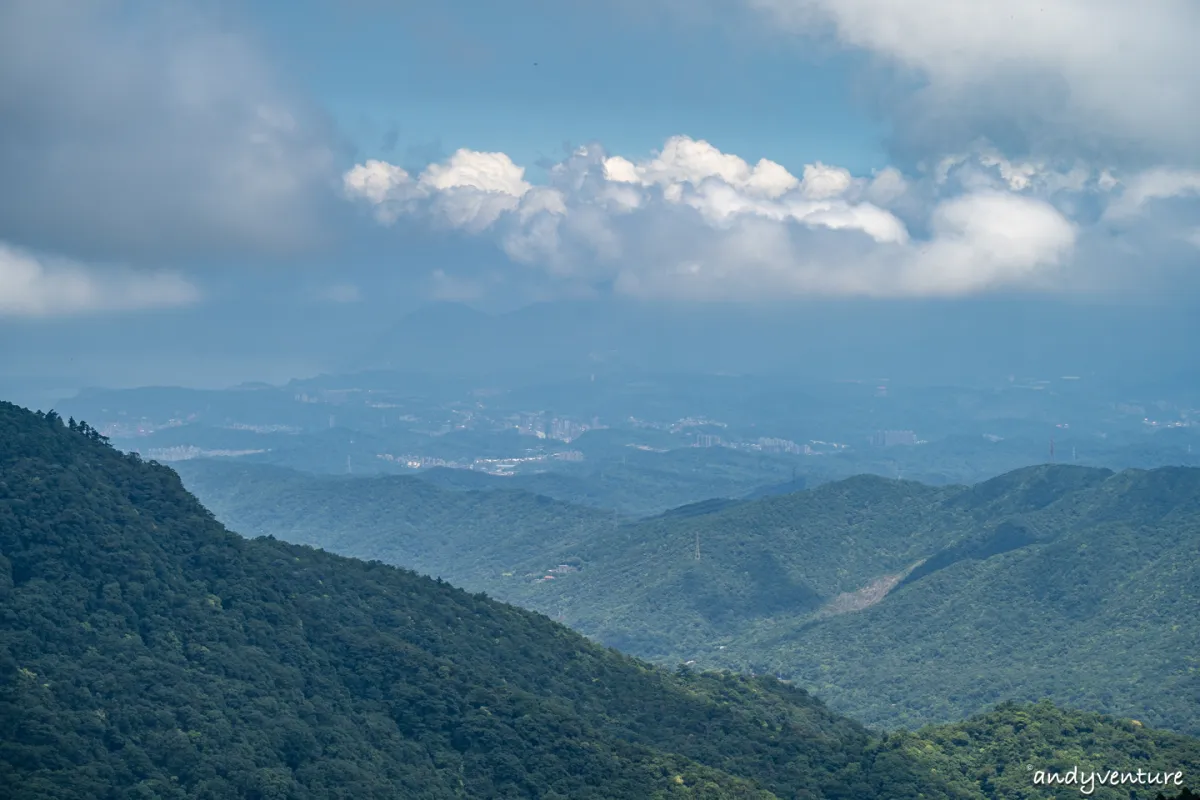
147 652
900 604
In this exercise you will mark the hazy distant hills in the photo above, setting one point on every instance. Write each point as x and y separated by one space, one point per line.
901 603
463 536
461 525
639 488
627 441
147 652
921 340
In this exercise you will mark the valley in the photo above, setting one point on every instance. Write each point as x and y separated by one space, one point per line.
901 604
146 650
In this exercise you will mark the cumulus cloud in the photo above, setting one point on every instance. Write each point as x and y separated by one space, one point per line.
471 190
36 286
137 132
1098 76
988 239
691 221
1153 185
983 167
685 160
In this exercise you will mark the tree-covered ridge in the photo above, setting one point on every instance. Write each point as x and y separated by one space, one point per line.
1095 609
1012 751
462 536
898 603
147 652
790 552
676 588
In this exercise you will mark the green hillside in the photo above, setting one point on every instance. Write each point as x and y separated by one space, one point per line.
1013 750
463 536
1093 606
639 486
898 603
643 589
904 605
633 483
147 652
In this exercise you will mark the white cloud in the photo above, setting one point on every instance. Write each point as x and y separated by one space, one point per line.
1104 74
822 182
484 172
980 242
377 181
389 188
692 221
985 168
987 240
886 187
685 160
36 286
471 190
1151 185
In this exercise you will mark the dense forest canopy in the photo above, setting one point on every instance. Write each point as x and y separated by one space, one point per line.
898 603
146 652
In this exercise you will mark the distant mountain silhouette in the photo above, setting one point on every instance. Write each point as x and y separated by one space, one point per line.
829 338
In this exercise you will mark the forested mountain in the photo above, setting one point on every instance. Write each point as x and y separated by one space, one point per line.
643 484
1090 600
145 651
638 487
462 536
899 603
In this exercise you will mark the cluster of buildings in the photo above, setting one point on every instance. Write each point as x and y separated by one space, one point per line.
695 422
166 455
241 426
546 427
773 445
893 438
492 466
421 462
142 427
765 444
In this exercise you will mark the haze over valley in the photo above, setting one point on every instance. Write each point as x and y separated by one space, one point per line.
748 399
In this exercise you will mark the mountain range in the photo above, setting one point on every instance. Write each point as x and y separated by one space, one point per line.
899 603
147 652
829 338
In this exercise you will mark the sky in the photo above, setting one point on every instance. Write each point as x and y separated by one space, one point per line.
228 165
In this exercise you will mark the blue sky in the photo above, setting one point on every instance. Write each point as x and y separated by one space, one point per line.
225 161
463 74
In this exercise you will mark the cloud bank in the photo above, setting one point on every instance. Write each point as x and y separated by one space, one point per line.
38 286
1053 151
693 222
137 131
1098 78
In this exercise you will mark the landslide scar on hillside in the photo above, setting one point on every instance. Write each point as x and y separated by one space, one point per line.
867 596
